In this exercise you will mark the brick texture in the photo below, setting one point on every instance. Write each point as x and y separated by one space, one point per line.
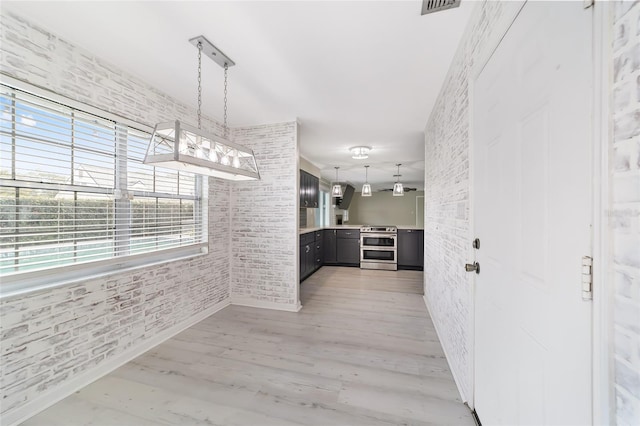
264 227
52 336
447 203
625 210
447 198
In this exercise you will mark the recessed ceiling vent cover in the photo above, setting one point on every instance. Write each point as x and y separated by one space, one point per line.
431 6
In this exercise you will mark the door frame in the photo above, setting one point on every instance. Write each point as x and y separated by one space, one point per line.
502 27
601 334
602 290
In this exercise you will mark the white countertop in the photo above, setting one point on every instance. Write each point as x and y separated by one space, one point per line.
318 228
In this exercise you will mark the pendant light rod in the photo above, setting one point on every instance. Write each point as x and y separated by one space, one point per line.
199 85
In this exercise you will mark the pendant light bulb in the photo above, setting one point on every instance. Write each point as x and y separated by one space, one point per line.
366 188
236 160
336 191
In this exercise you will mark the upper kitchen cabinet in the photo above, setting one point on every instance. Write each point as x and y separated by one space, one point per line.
309 190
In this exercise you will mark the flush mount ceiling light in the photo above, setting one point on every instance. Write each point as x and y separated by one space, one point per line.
360 152
366 188
180 146
398 189
336 191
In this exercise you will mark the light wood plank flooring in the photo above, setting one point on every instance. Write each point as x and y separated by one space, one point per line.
362 351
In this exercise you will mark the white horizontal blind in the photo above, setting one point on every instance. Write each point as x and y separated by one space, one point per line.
73 189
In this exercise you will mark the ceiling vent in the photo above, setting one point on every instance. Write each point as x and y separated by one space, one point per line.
431 6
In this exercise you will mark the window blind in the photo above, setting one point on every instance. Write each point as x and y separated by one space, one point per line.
73 189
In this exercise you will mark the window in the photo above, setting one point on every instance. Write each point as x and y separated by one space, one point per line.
73 190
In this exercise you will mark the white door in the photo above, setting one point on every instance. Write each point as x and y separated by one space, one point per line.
531 181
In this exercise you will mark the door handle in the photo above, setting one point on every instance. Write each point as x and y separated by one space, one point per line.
307 247
470 267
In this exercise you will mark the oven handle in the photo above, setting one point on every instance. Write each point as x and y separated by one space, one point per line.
393 236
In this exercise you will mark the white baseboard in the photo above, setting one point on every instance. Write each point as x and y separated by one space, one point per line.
57 394
444 348
253 303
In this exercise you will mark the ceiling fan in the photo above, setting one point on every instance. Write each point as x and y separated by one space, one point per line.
406 189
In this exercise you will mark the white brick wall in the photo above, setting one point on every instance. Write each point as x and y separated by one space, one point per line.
51 337
264 230
446 198
625 210
447 208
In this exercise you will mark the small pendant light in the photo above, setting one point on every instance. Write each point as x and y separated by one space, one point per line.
398 190
336 191
366 188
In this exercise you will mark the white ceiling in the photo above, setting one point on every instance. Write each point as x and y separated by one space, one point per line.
352 73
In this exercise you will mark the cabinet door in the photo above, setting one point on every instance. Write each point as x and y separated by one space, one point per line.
314 200
307 189
408 242
348 251
303 263
311 259
318 258
303 187
329 246
420 248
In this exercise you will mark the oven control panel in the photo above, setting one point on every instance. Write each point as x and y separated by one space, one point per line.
379 229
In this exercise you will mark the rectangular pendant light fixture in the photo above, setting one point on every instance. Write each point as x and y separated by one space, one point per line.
196 151
180 146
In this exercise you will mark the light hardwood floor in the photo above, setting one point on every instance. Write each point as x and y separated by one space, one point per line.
362 351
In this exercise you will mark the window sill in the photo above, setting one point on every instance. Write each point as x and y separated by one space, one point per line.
32 282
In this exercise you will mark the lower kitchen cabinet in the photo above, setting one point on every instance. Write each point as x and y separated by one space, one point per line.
410 249
311 253
319 251
348 251
329 246
348 247
340 247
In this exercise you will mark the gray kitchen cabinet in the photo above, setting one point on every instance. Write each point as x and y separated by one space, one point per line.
311 253
329 246
309 190
319 251
341 247
410 249
348 247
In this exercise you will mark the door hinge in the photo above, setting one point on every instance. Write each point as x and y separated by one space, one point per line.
587 3
587 278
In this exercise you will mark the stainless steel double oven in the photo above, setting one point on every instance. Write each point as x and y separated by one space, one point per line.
379 248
